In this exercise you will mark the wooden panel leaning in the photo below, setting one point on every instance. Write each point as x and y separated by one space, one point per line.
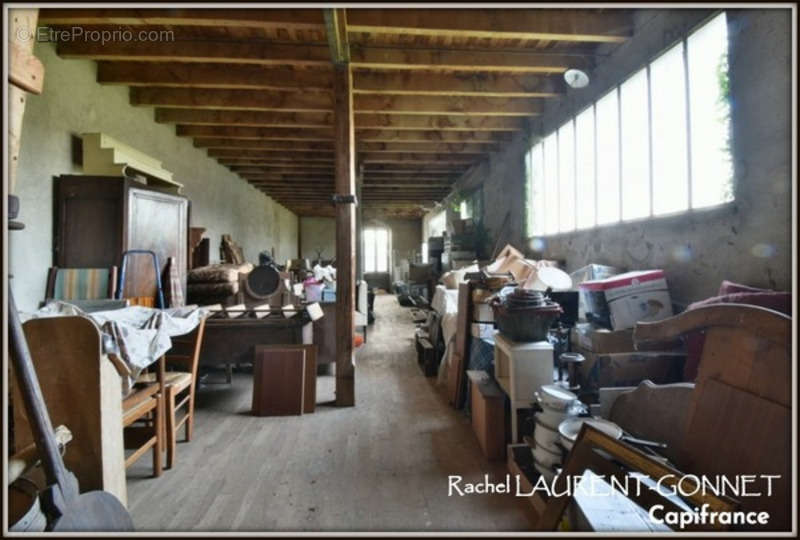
310 375
82 390
278 381
738 421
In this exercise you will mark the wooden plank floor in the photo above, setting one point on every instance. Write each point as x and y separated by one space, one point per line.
381 466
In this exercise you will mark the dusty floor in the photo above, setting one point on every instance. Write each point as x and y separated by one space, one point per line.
381 466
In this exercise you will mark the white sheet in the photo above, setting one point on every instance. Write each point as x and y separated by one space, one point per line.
138 335
445 303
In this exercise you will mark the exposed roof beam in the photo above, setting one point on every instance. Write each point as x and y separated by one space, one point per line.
276 155
458 84
196 75
294 18
229 52
380 157
286 146
231 99
455 105
435 148
479 137
540 24
438 122
255 133
336 31
264 53
209 117
462 60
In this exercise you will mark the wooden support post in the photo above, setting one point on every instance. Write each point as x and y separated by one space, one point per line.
345 235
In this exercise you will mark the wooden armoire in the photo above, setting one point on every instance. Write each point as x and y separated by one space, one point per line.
97 218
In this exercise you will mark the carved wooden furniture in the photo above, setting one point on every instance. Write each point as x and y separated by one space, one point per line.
82 390
99 217
739 420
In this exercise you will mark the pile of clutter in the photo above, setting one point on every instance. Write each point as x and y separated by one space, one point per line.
321 285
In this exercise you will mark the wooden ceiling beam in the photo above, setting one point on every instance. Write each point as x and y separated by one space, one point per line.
274 54
266 154
458 84
228 52
409 136
208 117
380 157
196 75
433 148
465 60
322 120
231 99
438 122
255 133
271 161
278 168
287 146
445 105
299 19
532 24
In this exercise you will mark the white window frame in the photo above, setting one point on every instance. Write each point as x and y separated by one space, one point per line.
690 208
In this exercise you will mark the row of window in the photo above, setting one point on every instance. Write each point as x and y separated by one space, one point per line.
657 144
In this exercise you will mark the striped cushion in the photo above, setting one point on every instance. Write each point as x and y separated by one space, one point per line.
81 284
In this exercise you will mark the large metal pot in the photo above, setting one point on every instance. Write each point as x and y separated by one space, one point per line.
525 315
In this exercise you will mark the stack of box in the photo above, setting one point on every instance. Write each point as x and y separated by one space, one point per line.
613 306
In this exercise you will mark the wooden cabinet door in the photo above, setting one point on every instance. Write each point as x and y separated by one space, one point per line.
157 222
88 223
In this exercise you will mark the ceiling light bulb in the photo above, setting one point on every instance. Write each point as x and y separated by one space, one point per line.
576 78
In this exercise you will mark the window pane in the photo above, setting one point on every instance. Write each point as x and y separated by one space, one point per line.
536 187
566 177
584 178
463 210
712 172
369 250
436 225
551 184
382 250
607 159
635 150
668 95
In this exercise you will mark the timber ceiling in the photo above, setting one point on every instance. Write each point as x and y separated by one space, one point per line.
435 90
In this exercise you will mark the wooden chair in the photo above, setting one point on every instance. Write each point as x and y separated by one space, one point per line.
179 386
143 418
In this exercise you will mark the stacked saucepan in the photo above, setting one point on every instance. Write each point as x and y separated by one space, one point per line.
556 404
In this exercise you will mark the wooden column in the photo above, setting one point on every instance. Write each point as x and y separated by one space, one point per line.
345 235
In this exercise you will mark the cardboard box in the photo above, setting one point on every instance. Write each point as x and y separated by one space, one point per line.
619 302
602 340
482 313
629 369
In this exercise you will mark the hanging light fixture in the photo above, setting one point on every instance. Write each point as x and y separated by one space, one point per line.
576 78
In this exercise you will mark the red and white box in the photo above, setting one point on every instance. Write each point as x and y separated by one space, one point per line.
621 301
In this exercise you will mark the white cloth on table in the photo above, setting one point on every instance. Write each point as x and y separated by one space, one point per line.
134 337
